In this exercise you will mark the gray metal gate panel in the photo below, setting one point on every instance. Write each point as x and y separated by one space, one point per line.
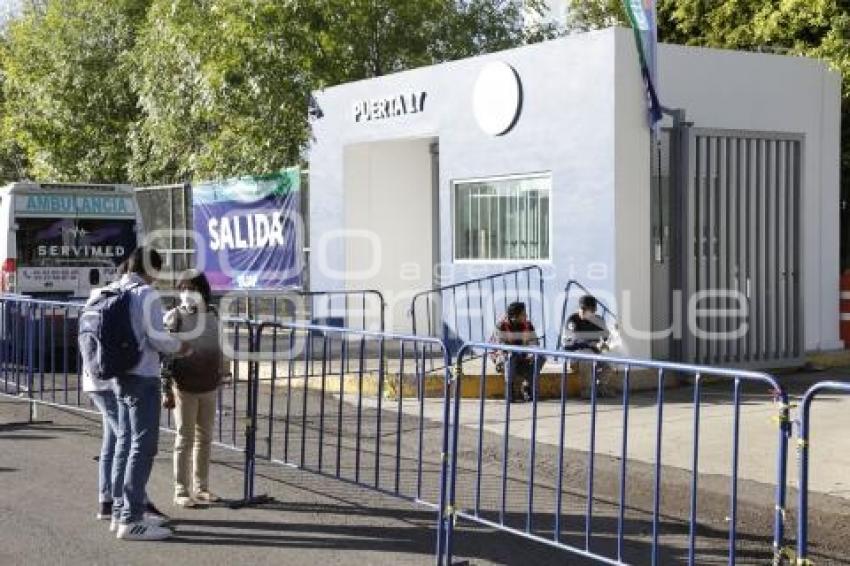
742 234
167 210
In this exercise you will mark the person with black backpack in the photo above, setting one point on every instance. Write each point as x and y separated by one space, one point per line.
121 338
102 395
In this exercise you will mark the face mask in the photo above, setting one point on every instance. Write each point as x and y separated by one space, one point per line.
189 298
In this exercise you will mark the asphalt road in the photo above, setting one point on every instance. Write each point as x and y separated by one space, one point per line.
48 500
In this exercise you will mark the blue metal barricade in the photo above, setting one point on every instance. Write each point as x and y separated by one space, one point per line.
534 359
803 445
468 311
367 425
355 309
358 309
364 407
40 361
38 350
233 406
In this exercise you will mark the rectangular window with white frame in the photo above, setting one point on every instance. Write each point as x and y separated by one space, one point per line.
502 218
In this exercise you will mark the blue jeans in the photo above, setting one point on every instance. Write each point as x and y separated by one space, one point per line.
108 406
138 442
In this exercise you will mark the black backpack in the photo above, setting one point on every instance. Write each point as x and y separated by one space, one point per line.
108 345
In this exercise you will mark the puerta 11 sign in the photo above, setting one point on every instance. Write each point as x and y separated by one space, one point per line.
248 231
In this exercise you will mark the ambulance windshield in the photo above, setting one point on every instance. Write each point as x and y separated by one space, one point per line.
66 242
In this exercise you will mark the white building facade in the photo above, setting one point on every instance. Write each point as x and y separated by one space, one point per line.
541 155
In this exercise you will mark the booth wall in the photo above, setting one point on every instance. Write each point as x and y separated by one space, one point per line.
583 121
566 128
389 203
632 199
753 91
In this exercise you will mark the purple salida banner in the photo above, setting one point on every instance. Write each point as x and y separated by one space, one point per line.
248 231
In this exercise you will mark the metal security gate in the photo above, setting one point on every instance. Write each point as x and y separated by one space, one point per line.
743 204
166 212
733 201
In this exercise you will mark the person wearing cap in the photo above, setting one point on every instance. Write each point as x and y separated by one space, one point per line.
515 329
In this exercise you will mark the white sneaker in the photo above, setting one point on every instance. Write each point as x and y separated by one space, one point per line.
204 496
183 501
149 520
142 531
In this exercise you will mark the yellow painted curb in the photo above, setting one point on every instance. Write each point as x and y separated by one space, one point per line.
434 385
549 384
832 359
470 386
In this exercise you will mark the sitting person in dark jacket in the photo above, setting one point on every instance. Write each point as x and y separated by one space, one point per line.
586 330
514 329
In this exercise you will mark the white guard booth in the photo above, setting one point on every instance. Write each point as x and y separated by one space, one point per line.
542 155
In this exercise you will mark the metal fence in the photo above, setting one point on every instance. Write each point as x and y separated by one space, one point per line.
360 309
38 349
370 429
360 422
803 446
571 303
469 310
541 518
351 309
40 362
353 405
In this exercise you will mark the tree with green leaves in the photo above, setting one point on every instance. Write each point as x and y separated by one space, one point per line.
596 14
68 104
12 158
814 28
222 87
357 40
170 90
817 28
223 84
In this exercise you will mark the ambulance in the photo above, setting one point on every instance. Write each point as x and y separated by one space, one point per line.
59 241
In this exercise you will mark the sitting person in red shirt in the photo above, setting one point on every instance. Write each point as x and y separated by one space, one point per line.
514 329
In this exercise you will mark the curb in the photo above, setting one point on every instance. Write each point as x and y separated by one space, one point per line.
829 359
405 385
